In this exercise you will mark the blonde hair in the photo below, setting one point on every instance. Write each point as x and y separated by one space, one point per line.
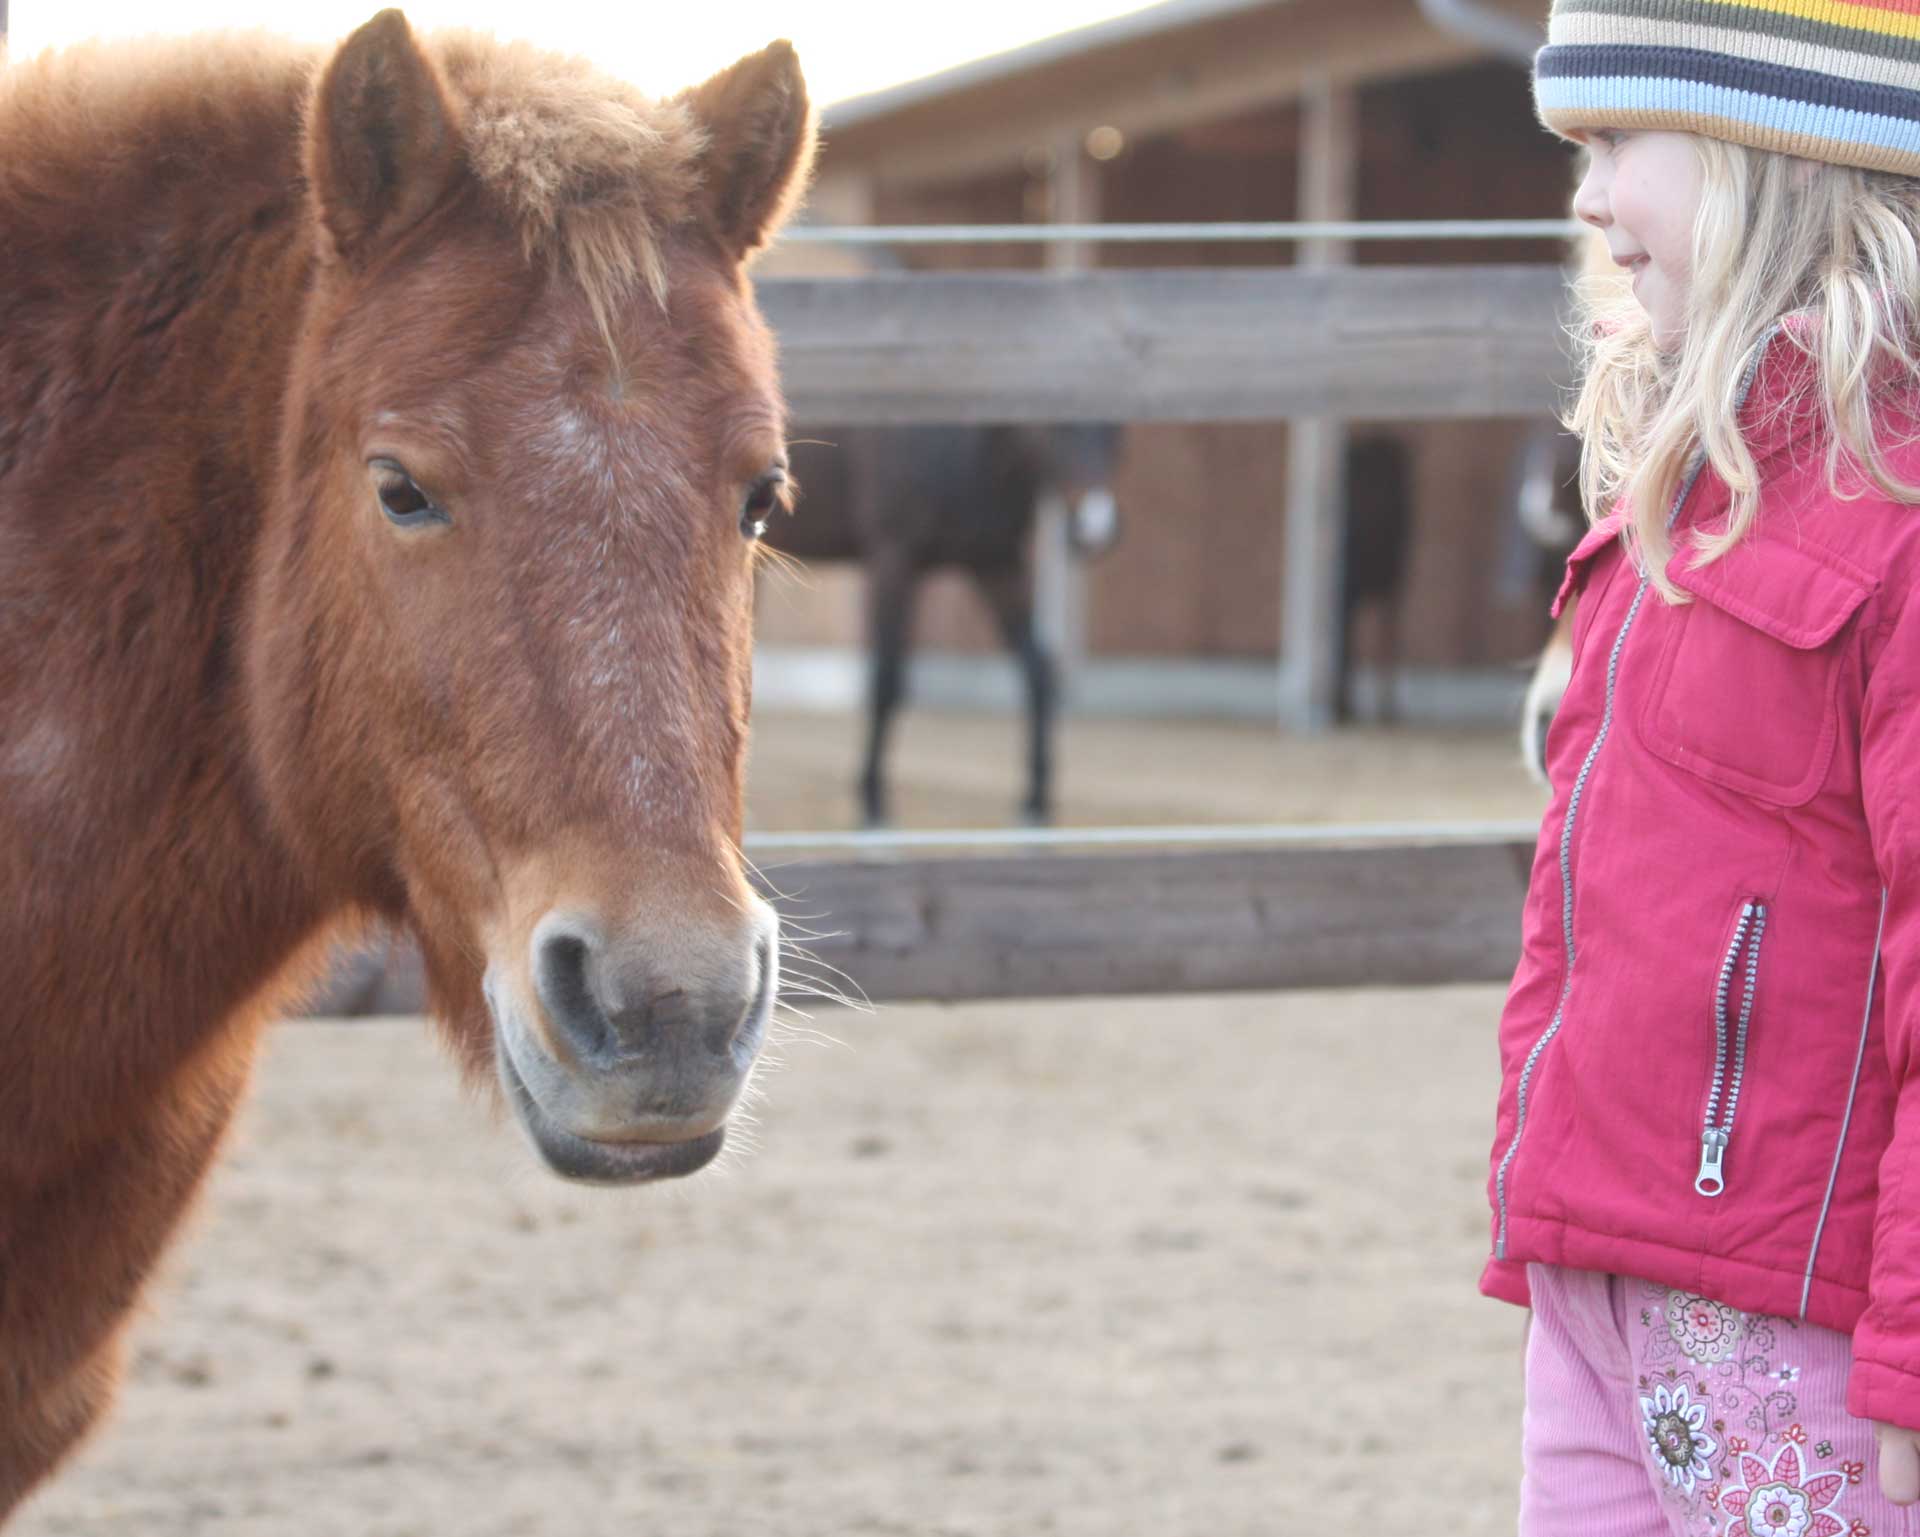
1775 237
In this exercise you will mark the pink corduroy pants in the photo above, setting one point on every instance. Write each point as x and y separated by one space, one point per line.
1652 1411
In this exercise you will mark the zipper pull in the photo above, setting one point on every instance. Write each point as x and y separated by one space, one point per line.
1713 1151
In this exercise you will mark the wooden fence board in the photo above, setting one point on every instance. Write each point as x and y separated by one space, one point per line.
1063 925
1171 345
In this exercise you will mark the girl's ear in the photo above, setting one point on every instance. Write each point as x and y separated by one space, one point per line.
760 145
382 143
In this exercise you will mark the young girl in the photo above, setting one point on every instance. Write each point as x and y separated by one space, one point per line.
1706 1169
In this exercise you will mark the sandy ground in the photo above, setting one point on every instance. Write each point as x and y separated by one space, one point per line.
1106 1267
968 771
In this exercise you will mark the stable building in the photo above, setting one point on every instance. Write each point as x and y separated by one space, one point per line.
1207 111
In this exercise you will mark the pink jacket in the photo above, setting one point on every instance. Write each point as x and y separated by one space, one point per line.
1710 1069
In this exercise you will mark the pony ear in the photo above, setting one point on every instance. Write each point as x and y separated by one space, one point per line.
760 142
382 144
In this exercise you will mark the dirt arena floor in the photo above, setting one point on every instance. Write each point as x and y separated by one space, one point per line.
1199 1267
967 771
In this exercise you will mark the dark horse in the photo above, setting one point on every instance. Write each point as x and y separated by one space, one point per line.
911 500
1373 568
383 434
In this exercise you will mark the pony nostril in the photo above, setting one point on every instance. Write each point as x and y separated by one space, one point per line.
751 1026
562 960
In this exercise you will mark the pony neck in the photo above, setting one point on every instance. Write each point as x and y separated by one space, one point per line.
146 897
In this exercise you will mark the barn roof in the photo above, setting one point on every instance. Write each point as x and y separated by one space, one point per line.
1146 23
1155 70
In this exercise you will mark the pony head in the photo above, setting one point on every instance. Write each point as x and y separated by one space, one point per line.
499 681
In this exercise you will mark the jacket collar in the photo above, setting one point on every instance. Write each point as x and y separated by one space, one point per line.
1781 408
1782 412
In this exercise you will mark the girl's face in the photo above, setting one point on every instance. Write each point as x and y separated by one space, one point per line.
1642 191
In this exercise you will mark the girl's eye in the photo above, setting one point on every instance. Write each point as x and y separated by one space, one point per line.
762 498
401 498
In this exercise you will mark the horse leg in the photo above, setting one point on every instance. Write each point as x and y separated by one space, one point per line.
1390 658
1343 661
75 1250
891 581
1009 593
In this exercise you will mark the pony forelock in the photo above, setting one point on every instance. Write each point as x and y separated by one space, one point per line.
589 170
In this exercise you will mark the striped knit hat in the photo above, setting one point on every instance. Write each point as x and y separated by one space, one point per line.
1835 80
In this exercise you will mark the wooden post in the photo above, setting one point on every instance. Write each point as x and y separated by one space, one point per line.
1059 580
1316 445
1073 197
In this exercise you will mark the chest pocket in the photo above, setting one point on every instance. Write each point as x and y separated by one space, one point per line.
1745 690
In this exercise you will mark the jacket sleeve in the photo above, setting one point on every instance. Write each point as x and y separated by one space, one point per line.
1885 1379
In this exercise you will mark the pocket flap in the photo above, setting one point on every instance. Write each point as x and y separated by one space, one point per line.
1799 594
1596 539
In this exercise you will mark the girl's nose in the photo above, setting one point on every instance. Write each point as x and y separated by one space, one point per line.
1590 201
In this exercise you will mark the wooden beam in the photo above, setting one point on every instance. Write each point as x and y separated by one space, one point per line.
1066 925
1316 445
1170 345
1060 576
1072 925
1329 169
1073 197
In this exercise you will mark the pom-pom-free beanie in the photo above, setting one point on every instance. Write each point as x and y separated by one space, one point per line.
1834 80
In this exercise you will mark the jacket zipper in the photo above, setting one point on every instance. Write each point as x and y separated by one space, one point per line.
1566 915
1853 1090
1748 930
1573 809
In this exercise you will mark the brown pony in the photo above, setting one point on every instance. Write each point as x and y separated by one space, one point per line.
383 440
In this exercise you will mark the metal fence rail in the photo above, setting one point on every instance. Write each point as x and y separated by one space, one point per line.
771 848
1221 233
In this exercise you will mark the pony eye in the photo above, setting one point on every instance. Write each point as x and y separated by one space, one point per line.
401 498
762 499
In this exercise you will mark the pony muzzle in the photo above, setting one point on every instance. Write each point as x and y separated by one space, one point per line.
619 1067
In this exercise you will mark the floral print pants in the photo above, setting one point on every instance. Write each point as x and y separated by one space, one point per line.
1652 1411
